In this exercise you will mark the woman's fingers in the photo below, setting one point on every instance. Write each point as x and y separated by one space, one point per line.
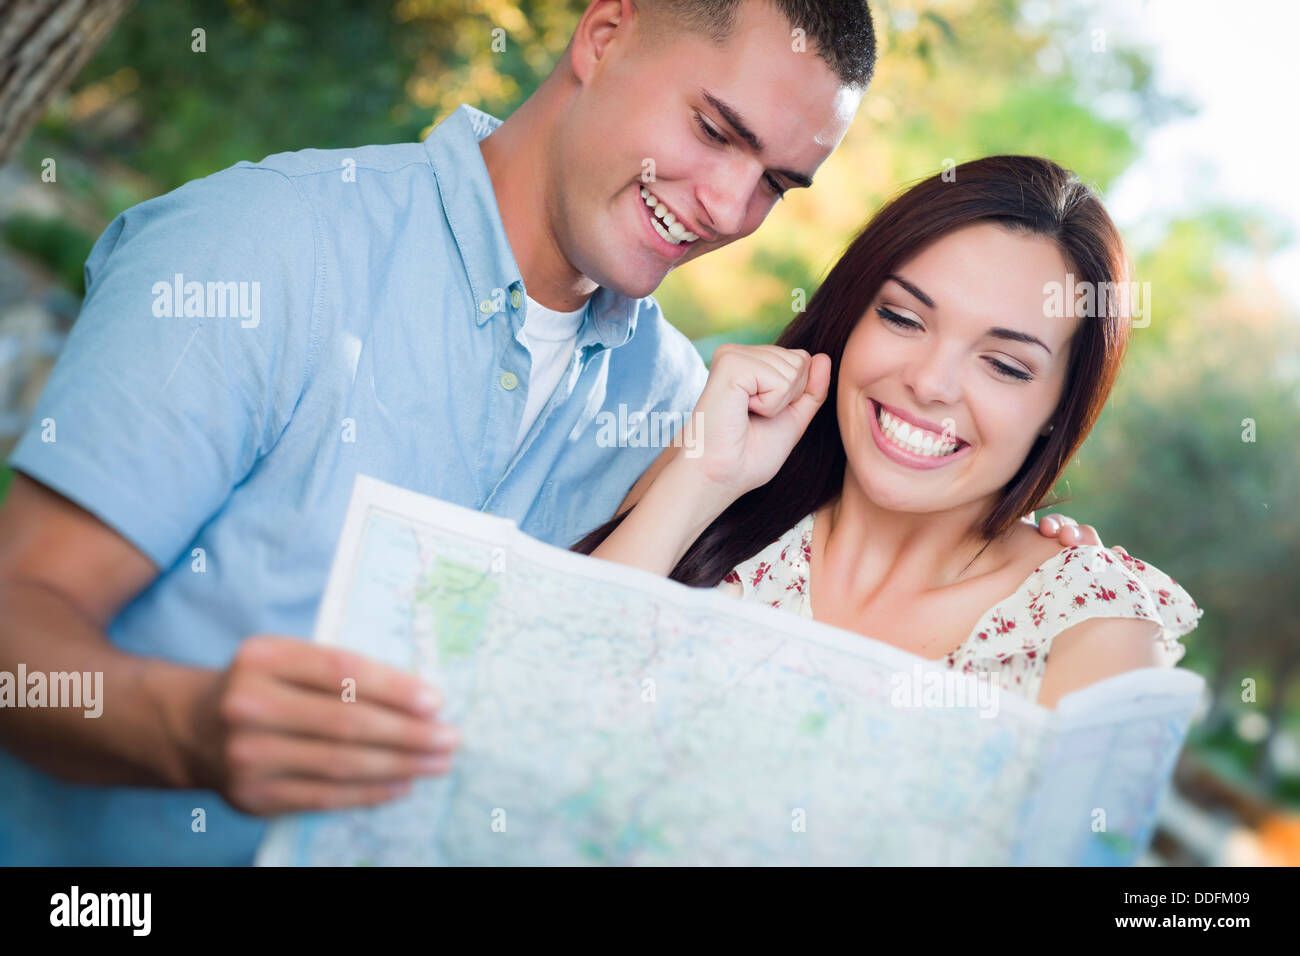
765 380
803 408
796 384
797 360
781 376
757 403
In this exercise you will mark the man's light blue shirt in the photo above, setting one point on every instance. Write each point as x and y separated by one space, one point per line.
356 312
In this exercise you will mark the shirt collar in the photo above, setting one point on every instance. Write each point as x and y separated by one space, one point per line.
475 219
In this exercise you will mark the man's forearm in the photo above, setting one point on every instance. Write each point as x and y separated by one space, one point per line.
140 738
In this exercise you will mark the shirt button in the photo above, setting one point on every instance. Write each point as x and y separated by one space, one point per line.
485 305
509 381
515 298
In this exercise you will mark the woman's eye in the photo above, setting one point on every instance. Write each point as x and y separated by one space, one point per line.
709 131
893 318
1001 368
776 187
1008 372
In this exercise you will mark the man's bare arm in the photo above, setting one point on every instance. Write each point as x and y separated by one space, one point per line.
64 574
270 732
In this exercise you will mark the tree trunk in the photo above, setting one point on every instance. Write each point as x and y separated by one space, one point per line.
43 46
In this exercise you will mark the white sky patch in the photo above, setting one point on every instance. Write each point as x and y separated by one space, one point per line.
1238 63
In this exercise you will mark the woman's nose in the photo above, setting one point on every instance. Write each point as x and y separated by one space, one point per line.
934 378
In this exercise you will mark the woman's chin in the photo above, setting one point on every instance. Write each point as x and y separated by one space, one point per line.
895 496
904 494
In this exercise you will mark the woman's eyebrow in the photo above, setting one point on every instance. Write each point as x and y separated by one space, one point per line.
997 332
1014 336
912 289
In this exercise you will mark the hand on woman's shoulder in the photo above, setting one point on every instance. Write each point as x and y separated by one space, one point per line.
1029 550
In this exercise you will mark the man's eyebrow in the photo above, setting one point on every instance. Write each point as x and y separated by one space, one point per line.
737 124
997 332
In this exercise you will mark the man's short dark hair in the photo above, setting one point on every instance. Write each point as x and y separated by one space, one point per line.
839 30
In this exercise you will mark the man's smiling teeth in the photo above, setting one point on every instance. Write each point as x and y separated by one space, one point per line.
913 438
666 223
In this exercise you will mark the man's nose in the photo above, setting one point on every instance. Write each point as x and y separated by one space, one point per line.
724 198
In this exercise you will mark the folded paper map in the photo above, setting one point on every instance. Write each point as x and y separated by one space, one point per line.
609 716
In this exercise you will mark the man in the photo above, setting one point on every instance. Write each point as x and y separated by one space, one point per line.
253 340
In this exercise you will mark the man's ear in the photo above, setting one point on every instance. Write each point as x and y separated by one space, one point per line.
601 23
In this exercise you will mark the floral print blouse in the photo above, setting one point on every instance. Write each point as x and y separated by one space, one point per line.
1012 639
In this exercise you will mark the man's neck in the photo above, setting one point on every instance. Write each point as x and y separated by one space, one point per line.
516 158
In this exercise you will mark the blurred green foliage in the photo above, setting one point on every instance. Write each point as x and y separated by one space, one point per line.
280 75
58 243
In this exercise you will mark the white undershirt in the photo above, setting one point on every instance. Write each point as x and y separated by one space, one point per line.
549 337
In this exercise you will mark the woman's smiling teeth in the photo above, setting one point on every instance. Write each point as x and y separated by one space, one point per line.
913 438
666 223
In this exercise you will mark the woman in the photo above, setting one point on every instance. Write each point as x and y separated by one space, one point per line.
961 388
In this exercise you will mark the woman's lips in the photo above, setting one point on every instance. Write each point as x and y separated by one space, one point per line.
917 421
904 457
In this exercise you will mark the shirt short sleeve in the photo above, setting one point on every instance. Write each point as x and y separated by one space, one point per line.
1081 583
186 361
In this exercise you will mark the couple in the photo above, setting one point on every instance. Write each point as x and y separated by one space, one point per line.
453 316
882 453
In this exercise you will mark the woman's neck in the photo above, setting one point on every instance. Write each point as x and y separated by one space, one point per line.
866 550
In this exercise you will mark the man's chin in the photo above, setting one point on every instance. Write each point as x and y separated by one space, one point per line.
632 286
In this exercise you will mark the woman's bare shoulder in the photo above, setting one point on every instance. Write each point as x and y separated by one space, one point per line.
1024 550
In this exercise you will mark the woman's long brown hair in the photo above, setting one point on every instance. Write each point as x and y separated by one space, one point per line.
1023 193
